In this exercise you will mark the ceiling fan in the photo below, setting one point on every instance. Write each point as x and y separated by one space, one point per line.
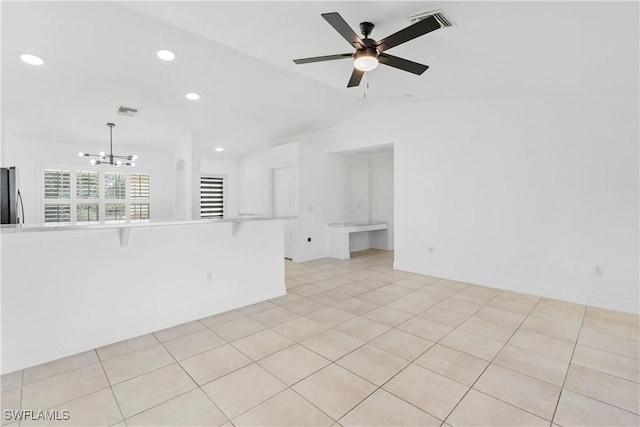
369 53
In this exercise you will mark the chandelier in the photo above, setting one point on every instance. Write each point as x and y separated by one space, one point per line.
111 159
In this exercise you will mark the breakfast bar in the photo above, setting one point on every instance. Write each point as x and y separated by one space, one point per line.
71 288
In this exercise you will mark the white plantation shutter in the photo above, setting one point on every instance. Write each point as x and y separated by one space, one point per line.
87 212
115 211
57 195
57 213
114 186
57 184
139 194
87 185
140 211
139 186
211 197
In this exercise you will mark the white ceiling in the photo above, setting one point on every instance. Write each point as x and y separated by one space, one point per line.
238 56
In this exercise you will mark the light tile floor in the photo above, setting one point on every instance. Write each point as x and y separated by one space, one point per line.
357 343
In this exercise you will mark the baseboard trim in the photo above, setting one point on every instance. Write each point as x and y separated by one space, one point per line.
570 296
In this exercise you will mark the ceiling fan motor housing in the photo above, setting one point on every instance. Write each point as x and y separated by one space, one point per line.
366 28
367 51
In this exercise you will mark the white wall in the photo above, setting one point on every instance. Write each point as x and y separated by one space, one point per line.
381 195
183 186
523 194
350 186
31 156
255 177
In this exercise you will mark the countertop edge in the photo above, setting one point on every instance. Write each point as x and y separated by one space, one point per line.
37 228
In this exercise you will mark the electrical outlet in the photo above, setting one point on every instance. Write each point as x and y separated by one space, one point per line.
209 277
308 239
598 270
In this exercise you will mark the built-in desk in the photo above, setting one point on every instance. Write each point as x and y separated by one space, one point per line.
339 235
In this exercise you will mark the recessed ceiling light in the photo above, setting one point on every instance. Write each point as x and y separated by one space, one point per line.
166 55
192 96
31 59
218 149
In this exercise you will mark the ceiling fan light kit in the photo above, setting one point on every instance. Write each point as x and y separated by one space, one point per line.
366 59
369 53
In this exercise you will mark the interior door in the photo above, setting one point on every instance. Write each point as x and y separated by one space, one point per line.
283 204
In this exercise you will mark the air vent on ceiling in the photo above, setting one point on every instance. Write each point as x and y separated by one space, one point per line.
126 111
438 14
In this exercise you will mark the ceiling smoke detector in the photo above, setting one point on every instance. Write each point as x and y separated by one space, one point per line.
126 111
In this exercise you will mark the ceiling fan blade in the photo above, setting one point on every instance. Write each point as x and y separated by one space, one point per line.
335 20
356 77
418 29
402 64
323 58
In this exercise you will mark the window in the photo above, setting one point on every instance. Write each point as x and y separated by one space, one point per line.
57 184
211 197
115 188
87 188
86 196
87 185
87 212
57 213
139 193
114 185
57 195
115 212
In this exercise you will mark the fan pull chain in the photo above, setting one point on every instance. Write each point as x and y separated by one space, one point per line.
364 92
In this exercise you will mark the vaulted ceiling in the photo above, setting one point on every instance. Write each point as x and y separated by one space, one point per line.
238 57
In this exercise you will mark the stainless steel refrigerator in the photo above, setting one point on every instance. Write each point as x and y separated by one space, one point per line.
11 200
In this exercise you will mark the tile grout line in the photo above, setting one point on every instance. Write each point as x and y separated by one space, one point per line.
564 380
192 379
110 387
333 362
492 361
420 355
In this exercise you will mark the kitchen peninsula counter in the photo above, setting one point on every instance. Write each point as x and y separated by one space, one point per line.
71 288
